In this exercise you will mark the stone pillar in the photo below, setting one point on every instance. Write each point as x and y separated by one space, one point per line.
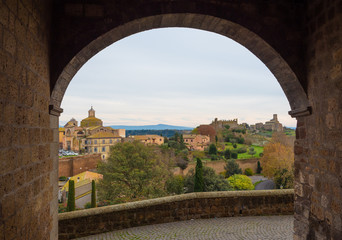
318 163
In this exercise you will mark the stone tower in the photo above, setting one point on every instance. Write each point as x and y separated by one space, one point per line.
91 112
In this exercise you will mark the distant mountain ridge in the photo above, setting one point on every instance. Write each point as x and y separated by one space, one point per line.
151 127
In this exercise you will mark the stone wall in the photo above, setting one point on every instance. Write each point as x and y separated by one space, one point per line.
318 148
70 166
175 208
218 166
28 171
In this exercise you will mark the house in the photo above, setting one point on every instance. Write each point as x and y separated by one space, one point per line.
196 141
82 188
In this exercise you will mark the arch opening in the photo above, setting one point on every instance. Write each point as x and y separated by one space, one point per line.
275 63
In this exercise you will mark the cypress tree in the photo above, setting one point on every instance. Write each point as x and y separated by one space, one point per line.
199 183
93 194
71 196
259 168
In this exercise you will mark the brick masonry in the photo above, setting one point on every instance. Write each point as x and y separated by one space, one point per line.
175 208
70 166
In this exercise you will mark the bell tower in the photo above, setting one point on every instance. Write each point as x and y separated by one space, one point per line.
91 112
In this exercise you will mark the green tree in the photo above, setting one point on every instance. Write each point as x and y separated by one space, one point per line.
176 137
211 181
212 149
232 167
227 154
175 185
71 196
259 168
216 139
284 178
133 172
93 194
248 172
240 182
199 184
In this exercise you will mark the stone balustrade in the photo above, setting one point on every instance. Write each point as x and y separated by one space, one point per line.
175 208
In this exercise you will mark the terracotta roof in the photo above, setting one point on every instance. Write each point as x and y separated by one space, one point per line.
189 136
103 135
141 137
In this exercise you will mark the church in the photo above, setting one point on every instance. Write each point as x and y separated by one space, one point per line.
90 137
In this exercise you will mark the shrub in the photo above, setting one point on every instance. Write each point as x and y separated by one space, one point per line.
214 157
63 178
212 181
104 203
175 185
62 208
234 155
212 149
242 150
227 154
234 145
240 182
232 167
261 154
241 140
87 205
248 172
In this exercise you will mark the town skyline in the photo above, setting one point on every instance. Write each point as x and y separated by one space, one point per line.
202 76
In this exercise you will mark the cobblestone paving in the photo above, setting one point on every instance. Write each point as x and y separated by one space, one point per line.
236 228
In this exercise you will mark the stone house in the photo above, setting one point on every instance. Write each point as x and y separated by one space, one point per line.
196 141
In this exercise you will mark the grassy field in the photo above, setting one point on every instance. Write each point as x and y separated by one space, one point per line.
257 149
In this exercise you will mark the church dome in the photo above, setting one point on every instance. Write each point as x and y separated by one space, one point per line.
91 120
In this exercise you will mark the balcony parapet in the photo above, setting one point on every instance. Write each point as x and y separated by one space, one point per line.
175 208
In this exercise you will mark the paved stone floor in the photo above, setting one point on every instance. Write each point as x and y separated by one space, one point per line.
236 228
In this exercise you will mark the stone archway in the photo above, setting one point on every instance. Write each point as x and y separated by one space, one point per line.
277 65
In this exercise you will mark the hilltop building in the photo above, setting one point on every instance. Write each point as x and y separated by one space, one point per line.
196 141
220 124
90 137
148 139
271 125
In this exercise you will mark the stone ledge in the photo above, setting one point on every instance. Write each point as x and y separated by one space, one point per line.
175 208
170 199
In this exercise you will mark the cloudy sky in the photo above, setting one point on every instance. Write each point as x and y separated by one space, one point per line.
175 76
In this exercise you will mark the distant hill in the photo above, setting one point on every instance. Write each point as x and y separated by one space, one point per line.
152 127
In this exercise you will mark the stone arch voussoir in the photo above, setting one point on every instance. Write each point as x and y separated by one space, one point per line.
277 65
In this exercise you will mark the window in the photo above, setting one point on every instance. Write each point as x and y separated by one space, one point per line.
95 149
103 149
95 141
85 142
89 141
110 141
103 141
